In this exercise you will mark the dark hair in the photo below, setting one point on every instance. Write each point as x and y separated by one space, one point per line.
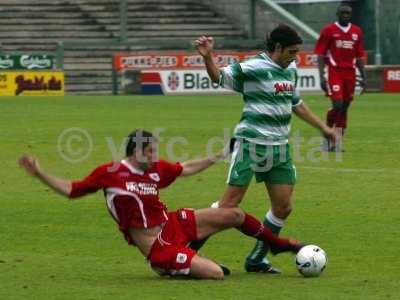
344 4
138 137
284 35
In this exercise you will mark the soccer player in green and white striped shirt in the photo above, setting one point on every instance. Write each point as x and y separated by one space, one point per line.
268 85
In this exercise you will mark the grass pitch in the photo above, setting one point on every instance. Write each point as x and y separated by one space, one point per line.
54 249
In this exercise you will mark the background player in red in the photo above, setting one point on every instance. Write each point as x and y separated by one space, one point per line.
131 188
340 47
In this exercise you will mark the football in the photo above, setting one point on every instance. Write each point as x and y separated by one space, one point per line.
311 261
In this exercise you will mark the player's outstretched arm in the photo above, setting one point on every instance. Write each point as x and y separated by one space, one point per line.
304 113
195 166
205 46
192 167
32 167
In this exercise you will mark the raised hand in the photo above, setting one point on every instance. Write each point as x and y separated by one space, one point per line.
204 45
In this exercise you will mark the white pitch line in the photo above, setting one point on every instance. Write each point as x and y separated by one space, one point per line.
350 170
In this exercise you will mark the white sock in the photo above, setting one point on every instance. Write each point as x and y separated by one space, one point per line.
274 219
215 204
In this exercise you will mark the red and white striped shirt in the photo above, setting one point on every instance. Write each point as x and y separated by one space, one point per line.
121 179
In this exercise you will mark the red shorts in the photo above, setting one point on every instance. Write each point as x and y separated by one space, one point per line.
342 83
169 254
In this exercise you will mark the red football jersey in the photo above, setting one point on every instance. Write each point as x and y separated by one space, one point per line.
341 45
121 179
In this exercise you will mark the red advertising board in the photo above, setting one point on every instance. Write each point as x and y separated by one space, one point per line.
191 60
391 81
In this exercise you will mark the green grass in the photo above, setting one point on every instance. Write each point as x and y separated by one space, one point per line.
54 249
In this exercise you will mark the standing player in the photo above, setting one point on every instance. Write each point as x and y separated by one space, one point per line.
268 84
340 47
131 188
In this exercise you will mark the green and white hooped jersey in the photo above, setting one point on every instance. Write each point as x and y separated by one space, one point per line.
269 93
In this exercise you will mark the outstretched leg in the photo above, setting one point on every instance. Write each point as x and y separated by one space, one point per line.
213 220
232 197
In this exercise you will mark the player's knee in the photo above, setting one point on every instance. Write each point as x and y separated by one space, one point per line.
237 215
232 216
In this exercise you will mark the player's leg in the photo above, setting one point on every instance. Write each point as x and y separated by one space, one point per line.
335 94
345 111
239 177
280 196
334 114
210 221
279 182
338 105
169 254
171 260
348 94
231 198
205 268
213 220
281 205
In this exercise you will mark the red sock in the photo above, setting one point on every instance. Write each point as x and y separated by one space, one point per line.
340 120
344 121
252 227
331 117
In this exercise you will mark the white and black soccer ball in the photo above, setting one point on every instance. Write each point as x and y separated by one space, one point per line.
311 261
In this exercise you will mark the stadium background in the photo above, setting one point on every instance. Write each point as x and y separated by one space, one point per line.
52 249
82 36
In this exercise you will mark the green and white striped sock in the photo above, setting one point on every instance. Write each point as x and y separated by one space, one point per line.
260 250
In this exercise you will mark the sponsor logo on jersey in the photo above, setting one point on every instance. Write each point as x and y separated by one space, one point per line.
344 44
181 258
280 87
142 188
154 176
182 215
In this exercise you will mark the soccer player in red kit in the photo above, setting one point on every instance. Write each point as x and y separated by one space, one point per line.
131 188
340 47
